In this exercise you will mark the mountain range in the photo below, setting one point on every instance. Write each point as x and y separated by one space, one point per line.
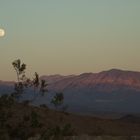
106 81
107 91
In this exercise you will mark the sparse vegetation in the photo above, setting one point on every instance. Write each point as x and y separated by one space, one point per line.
21 122
25 125
58 100
57 133
23 82
35 119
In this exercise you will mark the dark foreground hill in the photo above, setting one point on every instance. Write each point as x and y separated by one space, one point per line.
21 121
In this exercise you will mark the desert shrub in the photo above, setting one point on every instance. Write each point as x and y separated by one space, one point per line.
3 119
21 132
52 134
58 100
30 122
23 82
67 130
5 104
6 101
35 120
4 135
26 118
44 106
26 102
57 132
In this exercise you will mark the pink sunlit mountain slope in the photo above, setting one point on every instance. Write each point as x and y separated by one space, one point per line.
106 81
108 91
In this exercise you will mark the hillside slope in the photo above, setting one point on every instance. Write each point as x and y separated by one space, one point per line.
22 121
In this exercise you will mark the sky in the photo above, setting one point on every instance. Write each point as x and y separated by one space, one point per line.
69 36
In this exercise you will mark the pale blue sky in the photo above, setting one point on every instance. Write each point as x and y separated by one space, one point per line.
70 36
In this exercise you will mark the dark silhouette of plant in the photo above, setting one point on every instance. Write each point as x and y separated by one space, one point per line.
57 132
3 118
34 119
58 100
43 86
36 80
31 121
6 101
20 72
44 106
20 132
4 135
40 86
20 69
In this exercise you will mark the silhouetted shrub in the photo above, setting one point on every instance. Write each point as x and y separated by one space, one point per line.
26 118
57 132
4 135
57 100
34 119
6 101
44 106
23 82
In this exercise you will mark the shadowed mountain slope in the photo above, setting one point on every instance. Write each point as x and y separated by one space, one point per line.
107 91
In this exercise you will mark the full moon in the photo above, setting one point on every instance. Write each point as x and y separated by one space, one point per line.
2 32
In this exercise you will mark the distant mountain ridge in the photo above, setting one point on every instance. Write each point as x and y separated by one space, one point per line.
113 76
112 79
107 91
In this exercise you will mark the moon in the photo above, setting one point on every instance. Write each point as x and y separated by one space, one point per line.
2 32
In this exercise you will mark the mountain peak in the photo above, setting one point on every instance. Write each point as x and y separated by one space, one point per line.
114 70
